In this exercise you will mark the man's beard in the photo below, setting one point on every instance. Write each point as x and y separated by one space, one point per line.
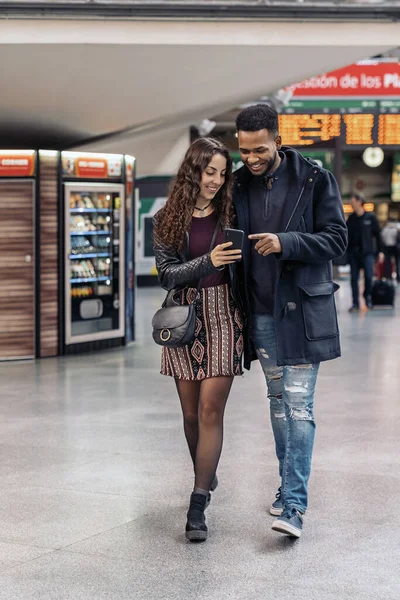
271 163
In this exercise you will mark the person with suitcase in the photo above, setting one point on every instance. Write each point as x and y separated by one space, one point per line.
364 234
383 289
391 240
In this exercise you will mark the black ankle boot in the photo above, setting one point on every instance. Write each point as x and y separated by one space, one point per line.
196 528
213 487
214 484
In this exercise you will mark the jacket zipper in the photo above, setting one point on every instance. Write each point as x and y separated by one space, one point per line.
267 201
297 204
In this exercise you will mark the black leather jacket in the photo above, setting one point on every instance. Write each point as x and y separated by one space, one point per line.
176 270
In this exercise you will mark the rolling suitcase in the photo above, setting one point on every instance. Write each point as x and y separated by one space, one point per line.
383 293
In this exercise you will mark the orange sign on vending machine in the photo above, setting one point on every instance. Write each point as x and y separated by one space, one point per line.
95 168
91 166
14 163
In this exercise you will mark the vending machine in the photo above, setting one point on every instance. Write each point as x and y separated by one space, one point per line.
94 256
19 254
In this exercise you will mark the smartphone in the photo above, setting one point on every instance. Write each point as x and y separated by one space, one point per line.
236 236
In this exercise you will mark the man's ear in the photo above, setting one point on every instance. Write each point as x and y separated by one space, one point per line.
278 142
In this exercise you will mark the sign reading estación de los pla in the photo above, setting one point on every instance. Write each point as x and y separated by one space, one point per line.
366 78
358 104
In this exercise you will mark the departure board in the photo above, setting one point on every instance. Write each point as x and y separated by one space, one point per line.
359 129
305 130
356 122
389 130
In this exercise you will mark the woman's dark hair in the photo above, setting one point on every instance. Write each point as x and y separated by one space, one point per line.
359 198
173 221
255 118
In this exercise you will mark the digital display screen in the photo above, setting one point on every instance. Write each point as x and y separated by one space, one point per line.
356 123
305 130
359 129
389 130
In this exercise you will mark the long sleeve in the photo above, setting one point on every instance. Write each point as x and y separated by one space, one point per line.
173 273
329 240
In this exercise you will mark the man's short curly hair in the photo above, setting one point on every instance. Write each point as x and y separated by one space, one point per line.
255 118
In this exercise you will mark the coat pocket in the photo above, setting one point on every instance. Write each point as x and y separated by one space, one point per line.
319 312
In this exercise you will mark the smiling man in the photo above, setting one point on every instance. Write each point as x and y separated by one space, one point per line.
291 212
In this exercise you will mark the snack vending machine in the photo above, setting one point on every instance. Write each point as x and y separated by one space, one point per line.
94 261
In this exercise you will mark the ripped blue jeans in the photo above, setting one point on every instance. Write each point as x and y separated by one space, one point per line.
291 395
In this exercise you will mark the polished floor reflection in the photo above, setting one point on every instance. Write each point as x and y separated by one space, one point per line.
95 479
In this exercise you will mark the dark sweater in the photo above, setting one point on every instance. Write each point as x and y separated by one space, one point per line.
265 208
362 232
200 236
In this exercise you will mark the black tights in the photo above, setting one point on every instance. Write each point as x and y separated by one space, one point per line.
203 406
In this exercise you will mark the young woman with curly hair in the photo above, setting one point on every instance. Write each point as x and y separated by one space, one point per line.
200 204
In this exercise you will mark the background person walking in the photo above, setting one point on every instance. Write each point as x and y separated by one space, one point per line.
364 242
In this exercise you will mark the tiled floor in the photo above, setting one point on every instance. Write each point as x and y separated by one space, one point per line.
95 479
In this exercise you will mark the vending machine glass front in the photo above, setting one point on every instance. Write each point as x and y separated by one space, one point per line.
94 261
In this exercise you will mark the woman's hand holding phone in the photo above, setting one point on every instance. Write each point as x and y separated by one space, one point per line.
221 256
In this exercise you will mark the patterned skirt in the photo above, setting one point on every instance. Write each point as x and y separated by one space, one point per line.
217 348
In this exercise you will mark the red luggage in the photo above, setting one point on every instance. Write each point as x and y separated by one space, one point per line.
380 269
